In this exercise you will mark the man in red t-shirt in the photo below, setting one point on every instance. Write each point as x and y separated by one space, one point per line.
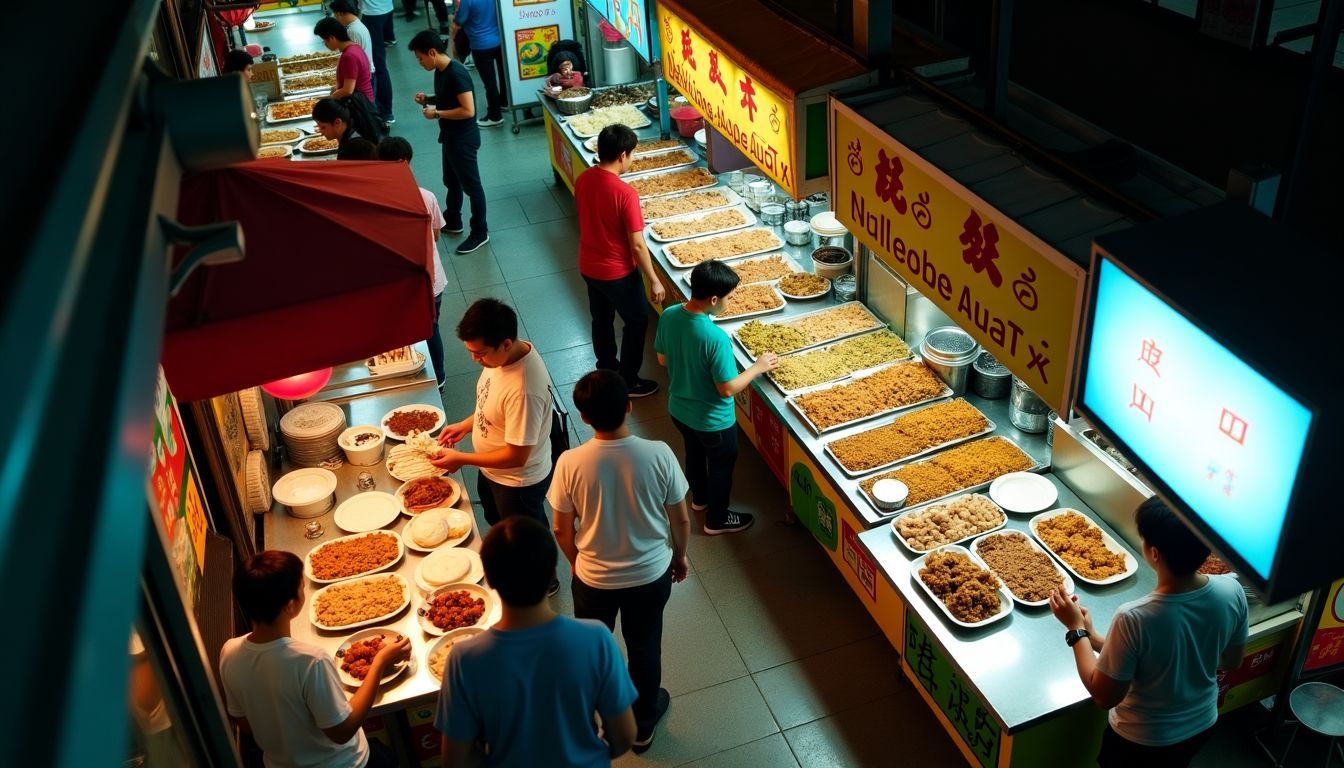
612 256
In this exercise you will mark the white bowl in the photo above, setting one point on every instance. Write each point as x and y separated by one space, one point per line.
701 137
366 455
306 492
890 494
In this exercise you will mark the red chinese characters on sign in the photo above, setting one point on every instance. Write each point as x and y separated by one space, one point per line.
1233 426
1255 665
859 562
769 434
687 54
748 101
979 249
1143 402
1151 355
888 185
715 76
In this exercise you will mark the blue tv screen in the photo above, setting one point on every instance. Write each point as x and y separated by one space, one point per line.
1225 439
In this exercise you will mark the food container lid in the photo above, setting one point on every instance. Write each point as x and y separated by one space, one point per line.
825 223
796 227
950 345
987 365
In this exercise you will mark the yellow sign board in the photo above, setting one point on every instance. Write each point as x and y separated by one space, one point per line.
1020 298
758 121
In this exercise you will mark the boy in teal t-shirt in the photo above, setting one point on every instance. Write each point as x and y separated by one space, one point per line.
704 378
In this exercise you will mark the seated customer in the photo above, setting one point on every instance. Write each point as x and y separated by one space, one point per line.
286 692
524 692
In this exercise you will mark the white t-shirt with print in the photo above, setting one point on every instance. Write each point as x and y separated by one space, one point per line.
619 490
513 407
436 222
360 34
288 691
1168 648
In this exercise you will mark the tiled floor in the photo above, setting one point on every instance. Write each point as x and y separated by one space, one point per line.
769 657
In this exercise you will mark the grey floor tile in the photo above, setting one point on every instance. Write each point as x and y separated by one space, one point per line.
899 729
786 606
555 309
512 187
706 722
476 269
569 365
504 213
771 752
830 682
540 206
564 199
755 490
538 249
456 360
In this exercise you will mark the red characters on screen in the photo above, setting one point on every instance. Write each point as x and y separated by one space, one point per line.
1151 355
1233 426
1143 402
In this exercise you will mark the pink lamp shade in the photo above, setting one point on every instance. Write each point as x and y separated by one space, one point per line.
300 386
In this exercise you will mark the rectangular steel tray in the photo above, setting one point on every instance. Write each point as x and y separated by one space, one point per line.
879 468
759 312
575 131
1036 466
877 324
679 191
674 261
919 553
693 160
793 400
686 276
728 192
747 215
828 345
270 111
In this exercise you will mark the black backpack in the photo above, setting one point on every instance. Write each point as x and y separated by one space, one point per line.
559 427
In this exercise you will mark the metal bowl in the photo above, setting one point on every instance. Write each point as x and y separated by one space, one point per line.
574 106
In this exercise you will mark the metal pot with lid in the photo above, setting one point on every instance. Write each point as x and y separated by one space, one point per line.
949 352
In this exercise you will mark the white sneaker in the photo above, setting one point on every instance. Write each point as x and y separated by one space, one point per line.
486 122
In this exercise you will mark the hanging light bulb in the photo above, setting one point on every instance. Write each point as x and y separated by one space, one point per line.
298 387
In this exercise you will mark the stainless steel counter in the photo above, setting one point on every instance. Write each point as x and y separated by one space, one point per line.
416 685
1020 666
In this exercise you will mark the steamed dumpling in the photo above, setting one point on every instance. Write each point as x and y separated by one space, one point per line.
459 523
430 529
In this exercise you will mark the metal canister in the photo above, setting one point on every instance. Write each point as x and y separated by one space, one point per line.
1026 410
949 352
797 210
990 379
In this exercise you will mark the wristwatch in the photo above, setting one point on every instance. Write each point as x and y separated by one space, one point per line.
1074 635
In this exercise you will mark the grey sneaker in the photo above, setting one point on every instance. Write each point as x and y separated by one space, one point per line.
732 523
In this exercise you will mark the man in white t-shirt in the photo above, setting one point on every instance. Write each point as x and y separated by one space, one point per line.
395 148
286 692
628 495
511 426
1158 665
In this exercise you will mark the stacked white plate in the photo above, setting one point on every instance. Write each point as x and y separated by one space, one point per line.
311 431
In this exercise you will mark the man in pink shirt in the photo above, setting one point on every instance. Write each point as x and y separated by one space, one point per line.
354 73
612 256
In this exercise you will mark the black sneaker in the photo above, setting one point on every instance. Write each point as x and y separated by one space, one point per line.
389 42
553 588
451 226
643 388
390 119
732 523
472 243
644 733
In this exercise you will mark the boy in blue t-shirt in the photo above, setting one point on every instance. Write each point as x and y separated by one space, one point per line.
527 688
703 380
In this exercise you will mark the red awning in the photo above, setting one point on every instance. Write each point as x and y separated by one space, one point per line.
337 268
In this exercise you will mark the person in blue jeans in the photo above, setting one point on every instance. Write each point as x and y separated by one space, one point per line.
703 379
525 692
480 20
378 18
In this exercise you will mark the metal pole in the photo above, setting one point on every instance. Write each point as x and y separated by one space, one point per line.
1000 49
1322 60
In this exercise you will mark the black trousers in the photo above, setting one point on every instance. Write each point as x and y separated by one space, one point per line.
499 501
710 457
490 65
1119 752
625 297
436 342
641 612
461 176
380 31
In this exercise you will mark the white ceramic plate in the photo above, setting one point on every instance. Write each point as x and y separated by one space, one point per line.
365 634
1005 597
453 496
797 297
1068 580
1023 492
449 637
308 560
303 147
395 436
476 590
367 511
273 151
451 541
395 464
1131 565
304 486
405 601
1003 520
668 250
470 561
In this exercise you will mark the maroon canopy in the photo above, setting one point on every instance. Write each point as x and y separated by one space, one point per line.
337 269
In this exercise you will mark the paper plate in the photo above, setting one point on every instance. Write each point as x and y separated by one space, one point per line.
367 511
470 561
1023 492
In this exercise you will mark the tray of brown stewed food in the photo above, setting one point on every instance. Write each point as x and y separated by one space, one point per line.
960 584
879 392
1090 553
909 436
804 331
657 208
966 468
1023 566
350 556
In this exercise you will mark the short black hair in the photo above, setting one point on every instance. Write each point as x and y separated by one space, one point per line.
330 110
614 141
395 148
519 557
602 398
426 40
344 6
237 60
1161 528
490 320
357 148
266 582
712 278
329 27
